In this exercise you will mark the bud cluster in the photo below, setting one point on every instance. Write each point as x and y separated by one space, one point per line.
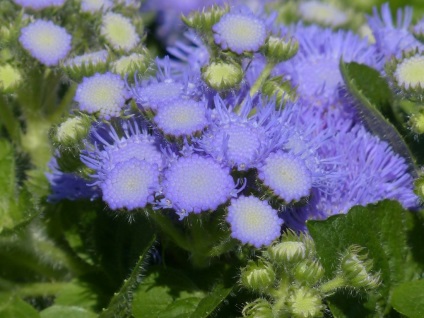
291 280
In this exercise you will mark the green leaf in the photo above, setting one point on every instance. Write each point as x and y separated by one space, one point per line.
13 307
381 229
157 293
208 304
77 293
374 98
408 299
120 305
66 312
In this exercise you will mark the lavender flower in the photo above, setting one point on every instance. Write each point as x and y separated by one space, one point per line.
119 32
322 13
95 5
103 94
39 4
195 184
253 221
239 31
46 41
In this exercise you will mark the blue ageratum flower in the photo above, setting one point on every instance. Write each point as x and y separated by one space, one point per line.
314 70
181 117
67 185
165 87
39 4
367 171
102 94
240 31
46 41
253 221
237 137
96 5
193 183
130 184
392 37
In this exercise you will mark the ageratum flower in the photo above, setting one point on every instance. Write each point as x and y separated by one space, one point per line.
192 184
130 184
315 68
181 117
240 31
95 5
102 94
322 13
46 41
39 4
164 88
253 221
392 37
237 137
119 32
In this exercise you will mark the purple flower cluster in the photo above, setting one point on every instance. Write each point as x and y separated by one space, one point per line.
192 149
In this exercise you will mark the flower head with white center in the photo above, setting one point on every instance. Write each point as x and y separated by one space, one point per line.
130 184
113 146
238 138
253 221
193 184
181 117
39 4
119 32
94 58
322 13
315 68
102 94
393 37
240 31
46 41
410 72
287 175
165 87
95 5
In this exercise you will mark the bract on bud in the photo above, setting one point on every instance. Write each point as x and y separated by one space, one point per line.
130 65
356 269
71 132
280 49
86 65
222 75
305 302
203 21
287 252
257 276
260 308
309 271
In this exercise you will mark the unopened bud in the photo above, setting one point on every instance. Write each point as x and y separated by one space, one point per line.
10 78
86 65
309 271
279 89
416 122
305 302
260 308
287 252
204 20
130 65
280 49
356 269
257 276
221 75
71 132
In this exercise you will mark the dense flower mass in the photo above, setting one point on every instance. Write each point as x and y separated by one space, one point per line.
39 4
282 142
46 41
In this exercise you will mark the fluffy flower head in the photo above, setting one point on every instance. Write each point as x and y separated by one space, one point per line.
410 72
240 31
253 221
39 4
46 41
195 184
95 5
103 94
119 31
324 13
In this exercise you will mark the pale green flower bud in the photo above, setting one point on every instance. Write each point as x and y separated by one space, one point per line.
257 276
305 302
71 132
280 49
287 252
132 64
260 308
86 65
204 20
10 78
309 271
222 75
356 269
279 89
416 122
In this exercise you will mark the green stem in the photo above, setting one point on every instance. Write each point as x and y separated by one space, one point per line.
332 285
262 78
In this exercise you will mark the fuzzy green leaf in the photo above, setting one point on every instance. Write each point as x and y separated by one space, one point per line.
381 229
13 307
67 312
208 304
408 299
